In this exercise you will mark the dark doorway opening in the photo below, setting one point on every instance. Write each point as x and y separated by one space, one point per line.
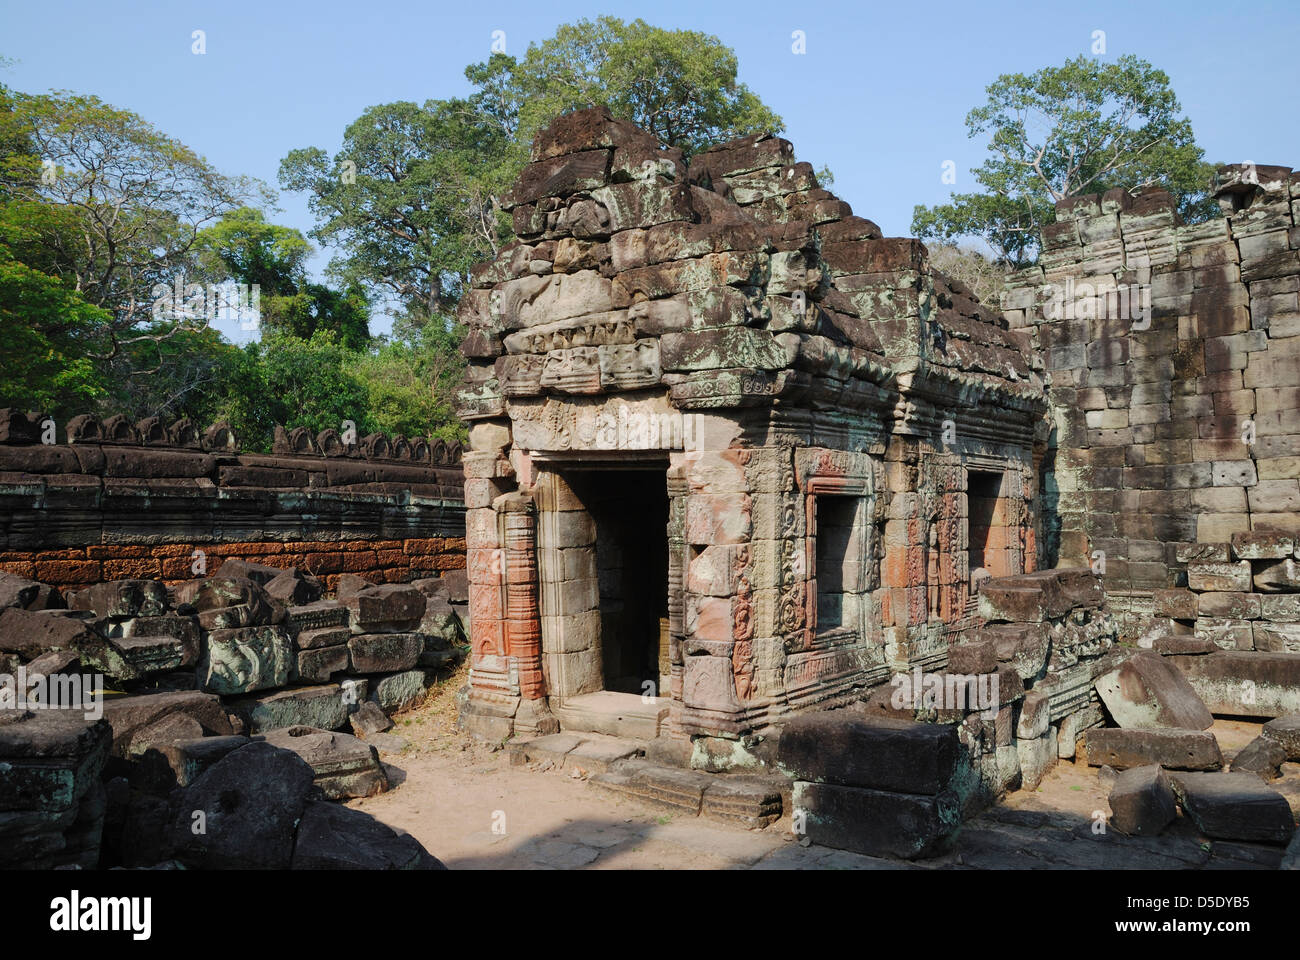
630 509
982 494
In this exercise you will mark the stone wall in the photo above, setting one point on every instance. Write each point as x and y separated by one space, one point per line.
1172 355
153 501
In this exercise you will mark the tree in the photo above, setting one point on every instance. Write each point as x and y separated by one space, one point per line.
296 383
412 199
271 260
114 206
1084 127
412 380
679 84
409 201
45 327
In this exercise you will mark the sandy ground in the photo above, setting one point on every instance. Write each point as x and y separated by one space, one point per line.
473 810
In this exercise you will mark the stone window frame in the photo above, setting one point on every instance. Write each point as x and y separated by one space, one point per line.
828 472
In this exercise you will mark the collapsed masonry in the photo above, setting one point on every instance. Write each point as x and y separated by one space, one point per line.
196 673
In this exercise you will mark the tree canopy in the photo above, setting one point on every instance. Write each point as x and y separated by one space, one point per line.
1083 127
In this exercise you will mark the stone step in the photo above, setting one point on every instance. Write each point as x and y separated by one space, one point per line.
614 714
591 753
752 802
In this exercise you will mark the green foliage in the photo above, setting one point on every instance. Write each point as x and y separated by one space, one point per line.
1083 127
114 205
679 84
409 201
411 198
46 328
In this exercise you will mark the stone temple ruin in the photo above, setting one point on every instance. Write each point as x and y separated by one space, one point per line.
761 517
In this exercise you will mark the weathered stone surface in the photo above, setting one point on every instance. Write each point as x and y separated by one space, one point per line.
122 598
385 652
320 663
1147 692
1234 806
334 837
246 659
1286 732
1122 749
324 707
251 801
1208 576
391 608
369 719
51 798
127 716
878 752
1278 576
345 767
17 591
397 691
876 822
1142 801
1263 757
1035 757
1243 683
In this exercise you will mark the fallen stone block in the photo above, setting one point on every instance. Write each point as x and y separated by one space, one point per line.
877 752
250 802
52 802
16 591
294 588
385 652
675 789
1285 731
128 716
391 608
875 822
397 691
1035 757
1123 749
188 759
246 659
1244 683
1278 576
32 633
182 629
1234 806
324 707
1262 756
1035 716
122 598
345 767
333 837
321 663
368 719
752 802
318 616
1147 692
1142 801
1022 645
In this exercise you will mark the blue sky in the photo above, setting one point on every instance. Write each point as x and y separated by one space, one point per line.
880 95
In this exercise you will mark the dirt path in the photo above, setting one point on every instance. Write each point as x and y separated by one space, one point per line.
473 810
